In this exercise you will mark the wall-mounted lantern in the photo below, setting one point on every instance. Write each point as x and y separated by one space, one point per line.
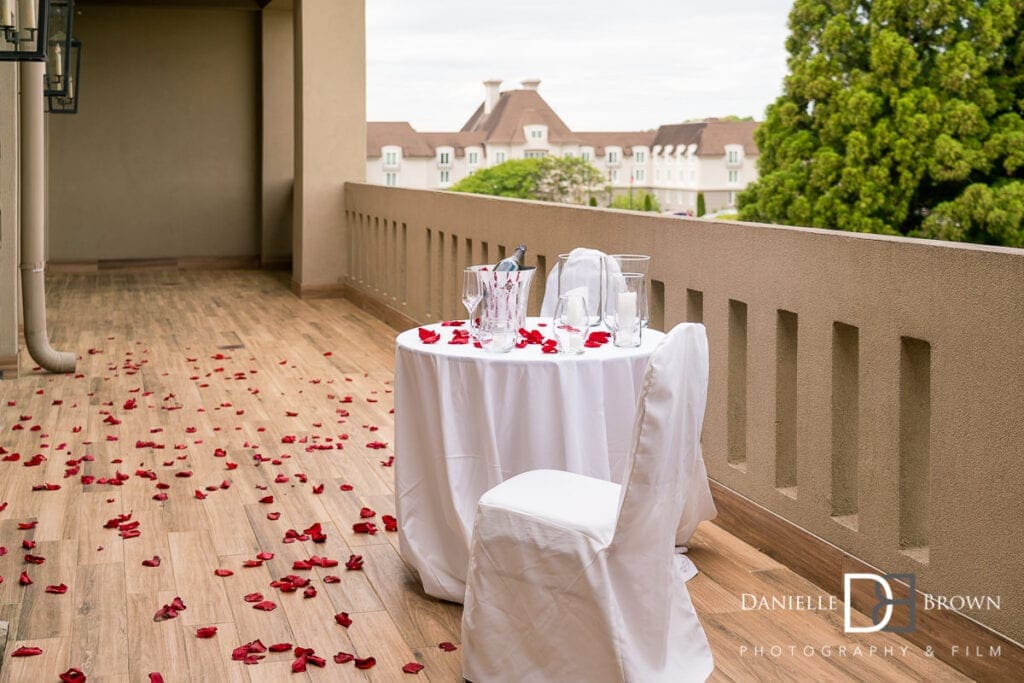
68 102
23 30
58 46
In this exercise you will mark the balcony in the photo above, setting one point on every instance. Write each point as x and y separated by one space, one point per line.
863 414
220 359
853 405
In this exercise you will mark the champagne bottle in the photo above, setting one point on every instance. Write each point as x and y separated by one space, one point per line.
513 262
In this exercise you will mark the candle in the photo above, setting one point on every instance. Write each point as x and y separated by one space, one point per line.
56 62
576 312
29 15
625 308
6 12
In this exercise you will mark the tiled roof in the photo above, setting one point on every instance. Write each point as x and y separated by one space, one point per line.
626 140
518 108
382 133
514 110
710 136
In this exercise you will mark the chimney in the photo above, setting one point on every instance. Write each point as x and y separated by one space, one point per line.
491 94
530 83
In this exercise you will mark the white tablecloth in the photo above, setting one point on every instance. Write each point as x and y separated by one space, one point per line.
467 419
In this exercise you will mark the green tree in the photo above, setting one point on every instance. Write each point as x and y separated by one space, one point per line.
898 117
567 179
639 200
513 178
701 206
553 179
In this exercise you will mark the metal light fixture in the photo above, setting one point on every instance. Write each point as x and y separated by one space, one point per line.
68 102
23 30
58 47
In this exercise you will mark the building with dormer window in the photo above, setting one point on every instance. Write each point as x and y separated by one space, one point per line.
675 162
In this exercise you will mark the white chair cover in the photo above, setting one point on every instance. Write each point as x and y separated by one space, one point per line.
575 579
585 264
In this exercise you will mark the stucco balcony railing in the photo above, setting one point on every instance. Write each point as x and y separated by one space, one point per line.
866 391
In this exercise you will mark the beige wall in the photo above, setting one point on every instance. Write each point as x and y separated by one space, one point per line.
330 133
9 174
898 441
162 159
278 133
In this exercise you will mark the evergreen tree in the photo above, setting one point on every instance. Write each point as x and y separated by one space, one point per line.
898 117
701 210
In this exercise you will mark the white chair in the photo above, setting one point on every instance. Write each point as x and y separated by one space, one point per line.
586 267
575 579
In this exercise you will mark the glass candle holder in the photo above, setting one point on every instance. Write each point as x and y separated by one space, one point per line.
570 323
583 273
628 301
615 265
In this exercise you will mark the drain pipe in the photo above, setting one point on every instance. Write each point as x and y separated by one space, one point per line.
33 172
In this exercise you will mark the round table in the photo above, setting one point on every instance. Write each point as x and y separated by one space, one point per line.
467 419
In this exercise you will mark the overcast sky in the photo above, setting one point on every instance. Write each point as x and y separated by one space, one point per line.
603 65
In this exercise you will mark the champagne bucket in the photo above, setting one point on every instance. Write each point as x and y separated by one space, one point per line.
506 295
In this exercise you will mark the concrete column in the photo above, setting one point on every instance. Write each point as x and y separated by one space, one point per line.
278 135
9 222
330 136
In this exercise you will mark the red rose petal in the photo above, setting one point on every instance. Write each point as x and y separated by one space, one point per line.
343 657
447 647
24 580
254 597
155 562
354 562
343 619
155 678
266 500
264 556
59 589
223 572
366 513
331 578
27 651
365 663
272 516
280 647
266 606
412 668
72 676
390 523
206 632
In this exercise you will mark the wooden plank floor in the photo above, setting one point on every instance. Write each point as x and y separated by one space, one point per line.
215 364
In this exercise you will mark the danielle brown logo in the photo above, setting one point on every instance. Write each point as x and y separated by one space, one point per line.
882 612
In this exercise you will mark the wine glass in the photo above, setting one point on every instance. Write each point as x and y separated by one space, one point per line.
570 322
582 270
472 293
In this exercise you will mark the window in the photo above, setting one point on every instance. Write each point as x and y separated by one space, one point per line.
499 157
535 154
391 158
732 199
569 155
613 157
614 176
586 154
536 134
639 174
391 179
445 157
473 158
733 157
445 177
734 177
640 156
